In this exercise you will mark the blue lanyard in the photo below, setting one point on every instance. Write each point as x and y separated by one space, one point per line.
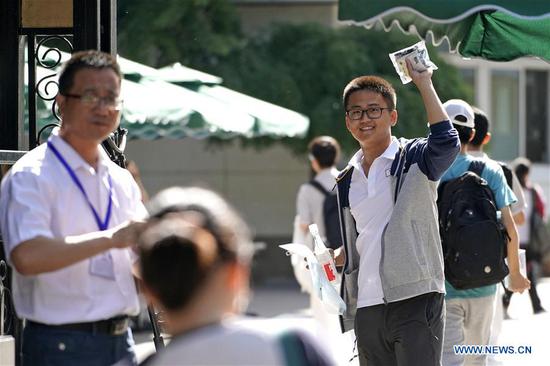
102 225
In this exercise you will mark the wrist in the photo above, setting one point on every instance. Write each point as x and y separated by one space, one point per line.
425 86
109 241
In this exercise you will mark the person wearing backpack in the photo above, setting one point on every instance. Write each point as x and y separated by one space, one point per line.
316 200
462 193
475 148
316 204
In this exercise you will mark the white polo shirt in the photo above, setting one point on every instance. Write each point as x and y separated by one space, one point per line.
39 198
371 205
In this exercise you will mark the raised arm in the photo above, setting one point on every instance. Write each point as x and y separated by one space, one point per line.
423 81
436 154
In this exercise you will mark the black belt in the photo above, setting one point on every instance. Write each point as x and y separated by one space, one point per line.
113 326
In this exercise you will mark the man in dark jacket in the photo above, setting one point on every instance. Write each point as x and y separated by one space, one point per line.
393 271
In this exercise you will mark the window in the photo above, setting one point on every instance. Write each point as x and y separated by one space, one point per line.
536 116
504 114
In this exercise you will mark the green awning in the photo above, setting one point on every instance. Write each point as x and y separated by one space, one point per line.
499 31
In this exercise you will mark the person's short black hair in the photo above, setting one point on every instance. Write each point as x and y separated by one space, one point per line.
371 83
482 126
522 167
192 232
325 150
464 133
91 59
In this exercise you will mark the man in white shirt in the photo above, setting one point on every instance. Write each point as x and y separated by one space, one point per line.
393 281
65 215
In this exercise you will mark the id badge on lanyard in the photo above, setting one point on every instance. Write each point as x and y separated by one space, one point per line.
102 264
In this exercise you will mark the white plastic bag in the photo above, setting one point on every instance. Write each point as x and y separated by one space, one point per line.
418 54
321 287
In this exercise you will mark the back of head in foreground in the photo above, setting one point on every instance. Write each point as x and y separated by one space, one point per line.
194 258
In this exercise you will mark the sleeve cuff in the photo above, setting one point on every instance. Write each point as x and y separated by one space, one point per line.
441 127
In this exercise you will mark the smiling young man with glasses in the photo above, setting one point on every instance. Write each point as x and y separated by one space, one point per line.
66 214
393 273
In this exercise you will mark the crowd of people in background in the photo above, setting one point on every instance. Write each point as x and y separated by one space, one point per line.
77 234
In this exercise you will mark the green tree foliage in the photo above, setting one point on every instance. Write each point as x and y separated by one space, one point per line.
302 67
193 32
306 67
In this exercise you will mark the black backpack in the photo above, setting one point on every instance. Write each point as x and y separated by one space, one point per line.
474 240
331 218
507 174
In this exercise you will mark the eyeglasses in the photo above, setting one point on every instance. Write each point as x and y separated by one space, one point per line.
371 112
92 100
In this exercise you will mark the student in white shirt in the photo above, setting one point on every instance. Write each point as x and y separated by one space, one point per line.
65 215
393 274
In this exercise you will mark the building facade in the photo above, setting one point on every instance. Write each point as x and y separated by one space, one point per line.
257 15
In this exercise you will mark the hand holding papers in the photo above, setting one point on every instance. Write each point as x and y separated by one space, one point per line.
417 54
322 288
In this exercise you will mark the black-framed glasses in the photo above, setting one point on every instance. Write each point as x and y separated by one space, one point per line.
371 112
92 100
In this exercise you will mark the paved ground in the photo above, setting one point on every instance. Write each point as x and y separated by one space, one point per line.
284 306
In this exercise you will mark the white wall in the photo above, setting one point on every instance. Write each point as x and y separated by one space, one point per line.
262 185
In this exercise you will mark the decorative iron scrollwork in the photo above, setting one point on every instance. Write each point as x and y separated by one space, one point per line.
50 58
43 59
7 311
47 52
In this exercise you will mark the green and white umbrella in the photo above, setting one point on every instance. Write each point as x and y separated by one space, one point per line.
269 119
155 108
500 30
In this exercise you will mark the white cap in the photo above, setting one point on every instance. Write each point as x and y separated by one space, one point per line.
460 113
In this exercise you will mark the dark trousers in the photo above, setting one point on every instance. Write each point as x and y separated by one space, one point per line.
43 346
403 333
